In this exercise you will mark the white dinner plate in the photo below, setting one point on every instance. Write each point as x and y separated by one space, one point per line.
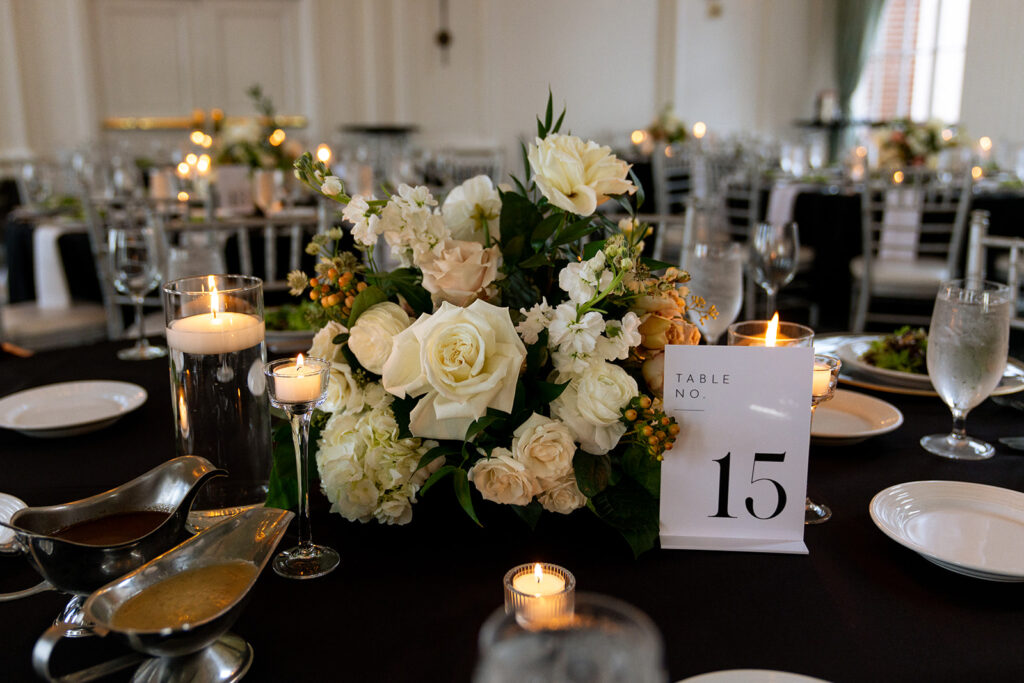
971 529
851 417
851 354
751 676
8 506
851 374
69 408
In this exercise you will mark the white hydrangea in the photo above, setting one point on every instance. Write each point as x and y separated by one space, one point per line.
366 471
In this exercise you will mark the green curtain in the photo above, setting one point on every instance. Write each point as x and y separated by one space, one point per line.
856 21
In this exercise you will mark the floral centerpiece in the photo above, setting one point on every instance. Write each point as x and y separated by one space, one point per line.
906 143
667 127
255 142
516 350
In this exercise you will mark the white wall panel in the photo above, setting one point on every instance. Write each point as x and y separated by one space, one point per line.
993 99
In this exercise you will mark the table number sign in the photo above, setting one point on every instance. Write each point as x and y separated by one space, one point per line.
736 478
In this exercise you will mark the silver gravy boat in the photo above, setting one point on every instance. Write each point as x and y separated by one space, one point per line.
80 569
201 651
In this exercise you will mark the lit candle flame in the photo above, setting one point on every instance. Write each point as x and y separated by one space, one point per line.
700 129
323 153
771 334
897 177
277 137
638 136
538 573
203 165
191 159
977 172
985 142
196 137
214 296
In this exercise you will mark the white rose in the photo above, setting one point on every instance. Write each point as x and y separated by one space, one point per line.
323 345
344 395
459 271
371 337
503 479
575 175
545 446
462 361
468 206
562 495
592 403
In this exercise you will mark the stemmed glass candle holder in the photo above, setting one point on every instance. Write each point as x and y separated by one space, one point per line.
823 388
775 333
297 387
540 595
968 342
215 333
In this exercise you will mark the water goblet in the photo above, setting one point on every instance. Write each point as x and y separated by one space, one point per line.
716 275
134 253
297 387
968 342
773 252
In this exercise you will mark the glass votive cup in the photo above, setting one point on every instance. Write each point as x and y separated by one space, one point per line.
826 375
539 603
753 333
297 384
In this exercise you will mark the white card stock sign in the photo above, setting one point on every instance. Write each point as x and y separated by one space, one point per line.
737 476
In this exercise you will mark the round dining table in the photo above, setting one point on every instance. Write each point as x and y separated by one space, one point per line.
408 601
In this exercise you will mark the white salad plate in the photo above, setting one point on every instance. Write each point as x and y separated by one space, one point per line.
857 373
971 529
851 417
69 408
8 506
751 676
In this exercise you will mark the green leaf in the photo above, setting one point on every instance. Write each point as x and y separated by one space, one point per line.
368 297
437 476
558 123
340 339
632 511
639 195
549 111
434 453
519 216
513 250
530 513
574 232
479 425
535 261
461 483
547 227
644 469
592 472
406 282
654 264
591 248
549 391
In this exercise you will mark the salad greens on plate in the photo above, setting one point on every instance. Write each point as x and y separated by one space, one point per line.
904 350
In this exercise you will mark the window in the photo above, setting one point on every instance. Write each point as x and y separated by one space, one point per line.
915 69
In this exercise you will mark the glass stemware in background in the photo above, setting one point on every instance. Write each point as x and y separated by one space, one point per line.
134 267
716 274
968 343
773 251
268 190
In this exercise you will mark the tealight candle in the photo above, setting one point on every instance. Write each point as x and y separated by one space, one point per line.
298 383
539 594
215 332
822 379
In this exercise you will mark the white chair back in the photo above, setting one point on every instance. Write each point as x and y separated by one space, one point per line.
1005 255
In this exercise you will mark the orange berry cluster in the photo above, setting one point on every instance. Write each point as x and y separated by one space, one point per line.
336 289
649 426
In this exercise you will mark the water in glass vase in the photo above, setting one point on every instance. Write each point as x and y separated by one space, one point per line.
222 413
967 349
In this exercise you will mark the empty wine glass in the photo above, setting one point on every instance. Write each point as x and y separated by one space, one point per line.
716 274
773 250
134 253
968 342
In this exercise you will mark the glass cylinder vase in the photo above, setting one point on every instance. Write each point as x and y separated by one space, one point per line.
215 338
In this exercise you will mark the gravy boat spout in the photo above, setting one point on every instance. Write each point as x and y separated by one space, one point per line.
82 566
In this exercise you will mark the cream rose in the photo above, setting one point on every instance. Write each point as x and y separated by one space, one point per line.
503 479
462 361
562 495
371 337
592 403
471 205
344 395
575 175
323 345
545 446
458 272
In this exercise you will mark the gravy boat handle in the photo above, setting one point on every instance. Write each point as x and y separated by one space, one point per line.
48 641
18 595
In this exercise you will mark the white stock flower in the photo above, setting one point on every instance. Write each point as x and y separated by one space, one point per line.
373 333
462 361
468 206
545 446
365 224
503 479
459 271
575 175
619 337
332 185
592 403
536 319
574 339
323 345
562 495
409 225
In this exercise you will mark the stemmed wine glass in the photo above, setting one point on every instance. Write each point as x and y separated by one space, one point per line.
773 251
968 342
134 253
297 387
716 275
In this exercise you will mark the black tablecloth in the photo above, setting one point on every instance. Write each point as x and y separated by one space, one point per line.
408 601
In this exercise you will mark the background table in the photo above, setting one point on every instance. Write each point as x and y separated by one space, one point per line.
407 603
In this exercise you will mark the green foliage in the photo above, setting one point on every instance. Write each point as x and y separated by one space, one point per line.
407 283
629 508
370 296
593 472
283 489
